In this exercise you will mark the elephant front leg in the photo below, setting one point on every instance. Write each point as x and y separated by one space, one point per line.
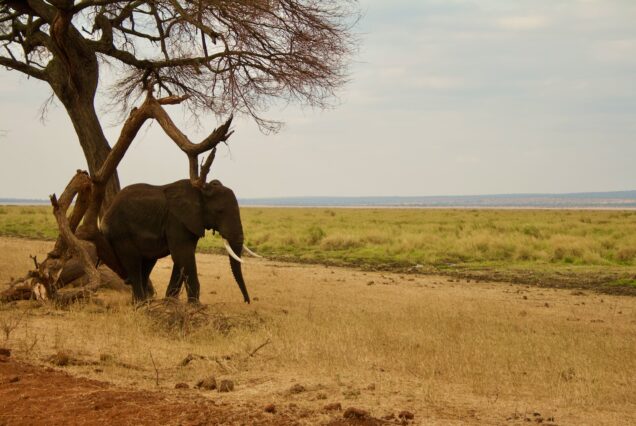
191 281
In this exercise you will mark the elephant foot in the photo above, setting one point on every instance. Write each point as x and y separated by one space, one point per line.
150 289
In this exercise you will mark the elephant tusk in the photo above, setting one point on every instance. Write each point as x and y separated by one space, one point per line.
230 251
251 252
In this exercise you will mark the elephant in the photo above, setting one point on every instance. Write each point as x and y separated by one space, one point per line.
146 222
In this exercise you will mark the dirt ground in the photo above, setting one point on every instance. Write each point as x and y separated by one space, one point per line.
33 391
33 395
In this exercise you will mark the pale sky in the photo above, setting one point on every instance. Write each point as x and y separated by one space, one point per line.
447 97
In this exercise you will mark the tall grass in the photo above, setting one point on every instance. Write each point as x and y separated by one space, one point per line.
441 239
445 238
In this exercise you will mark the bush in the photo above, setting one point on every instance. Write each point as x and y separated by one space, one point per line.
626 254
315 234
340 243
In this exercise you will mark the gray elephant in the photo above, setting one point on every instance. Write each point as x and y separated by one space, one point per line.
146 222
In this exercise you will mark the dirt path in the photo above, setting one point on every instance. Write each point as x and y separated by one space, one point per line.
32 395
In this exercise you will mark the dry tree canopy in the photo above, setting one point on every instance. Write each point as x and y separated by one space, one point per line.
226 55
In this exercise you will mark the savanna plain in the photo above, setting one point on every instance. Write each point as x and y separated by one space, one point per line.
446 316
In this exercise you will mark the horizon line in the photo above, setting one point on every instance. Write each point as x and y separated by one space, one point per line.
631 192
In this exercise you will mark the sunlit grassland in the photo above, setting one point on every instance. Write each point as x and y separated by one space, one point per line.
427 344
28 222
445 237
423 342
542 241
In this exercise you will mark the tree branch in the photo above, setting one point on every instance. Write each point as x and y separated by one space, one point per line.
24 68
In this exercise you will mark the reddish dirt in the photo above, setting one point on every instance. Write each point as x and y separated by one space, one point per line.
44 396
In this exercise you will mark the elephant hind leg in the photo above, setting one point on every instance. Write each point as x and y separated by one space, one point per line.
176 279
131 261
146 269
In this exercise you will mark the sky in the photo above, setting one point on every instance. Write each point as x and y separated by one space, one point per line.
446 97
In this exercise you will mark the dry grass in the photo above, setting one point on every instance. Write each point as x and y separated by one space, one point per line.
449 351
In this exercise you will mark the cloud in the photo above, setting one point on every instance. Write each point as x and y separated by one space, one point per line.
522 23
438 82
618 51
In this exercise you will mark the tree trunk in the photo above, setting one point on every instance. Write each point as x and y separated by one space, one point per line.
93 142
74 76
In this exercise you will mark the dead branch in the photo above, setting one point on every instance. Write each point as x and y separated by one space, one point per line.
267 342
72 242
80 186
192 150
156 369
22 290
205 167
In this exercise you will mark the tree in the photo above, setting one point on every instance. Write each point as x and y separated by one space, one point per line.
219 56
222 55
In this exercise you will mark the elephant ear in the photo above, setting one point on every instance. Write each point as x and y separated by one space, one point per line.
184 203
212 187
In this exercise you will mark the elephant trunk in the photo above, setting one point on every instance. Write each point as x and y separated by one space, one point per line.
237 247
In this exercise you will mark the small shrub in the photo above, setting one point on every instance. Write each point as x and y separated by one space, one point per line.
565 254
531 231
525 253
626 254
340 243
377 239
315 234
608 244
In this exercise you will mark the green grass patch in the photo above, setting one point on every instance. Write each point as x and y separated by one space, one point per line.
624 282
545 243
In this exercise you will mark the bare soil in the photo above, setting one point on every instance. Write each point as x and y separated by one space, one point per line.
32 395
36 395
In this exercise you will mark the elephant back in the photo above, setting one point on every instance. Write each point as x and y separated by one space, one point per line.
134 207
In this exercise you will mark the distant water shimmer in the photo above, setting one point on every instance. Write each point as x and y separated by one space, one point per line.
598 200
609 200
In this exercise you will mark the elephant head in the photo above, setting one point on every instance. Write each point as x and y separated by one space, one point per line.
212 207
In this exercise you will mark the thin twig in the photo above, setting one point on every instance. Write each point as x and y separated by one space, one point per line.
156 369
267 342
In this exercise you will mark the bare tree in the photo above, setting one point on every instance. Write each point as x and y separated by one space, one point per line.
219 56
225 56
